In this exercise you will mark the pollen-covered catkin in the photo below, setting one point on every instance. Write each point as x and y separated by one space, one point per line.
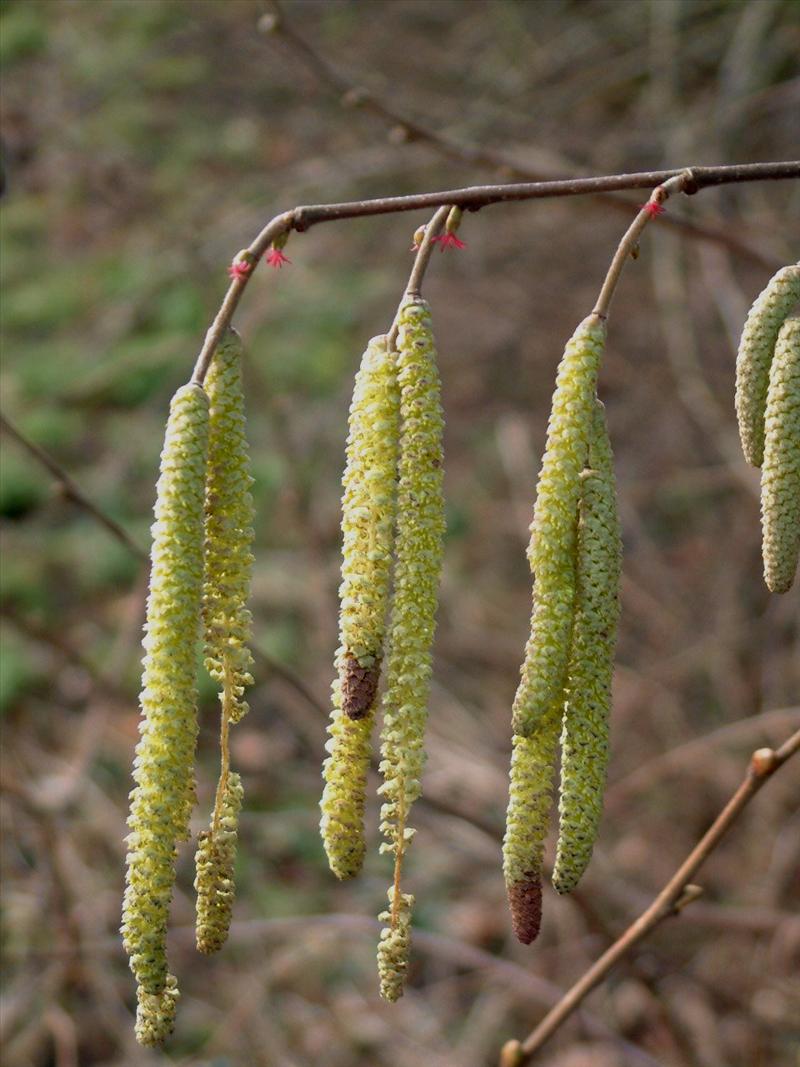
554 527
584 738
530 800
368 515
394 947
228 530
155 1013
214 864
418 548
753 361
163 797
780 476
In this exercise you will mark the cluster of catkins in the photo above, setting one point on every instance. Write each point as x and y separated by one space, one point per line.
768 410
393 528
199 581
564 692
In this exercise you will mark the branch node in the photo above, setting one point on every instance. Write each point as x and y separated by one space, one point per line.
763 762
512 1054
689 893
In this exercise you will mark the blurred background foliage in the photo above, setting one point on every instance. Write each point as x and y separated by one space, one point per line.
144 142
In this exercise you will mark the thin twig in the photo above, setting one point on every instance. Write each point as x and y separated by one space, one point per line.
72 490
412 131
471 198
421 261
675 895
630 240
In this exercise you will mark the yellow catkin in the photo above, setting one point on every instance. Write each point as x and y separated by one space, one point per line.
553 531
584 739
780 477
395 945
162 800
530 801
155 1013
753 361
418 547
214 864
368 514
228 529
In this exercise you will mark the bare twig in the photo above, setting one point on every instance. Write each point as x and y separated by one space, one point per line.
407 130
676 894
72 490
471 198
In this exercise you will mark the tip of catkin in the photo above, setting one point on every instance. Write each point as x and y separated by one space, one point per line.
359 685
525 902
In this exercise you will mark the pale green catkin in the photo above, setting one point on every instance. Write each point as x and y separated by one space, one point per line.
214 864
394 947
530 801
155 1013
162 800
584 738
753 361
368 514
418 548
228 530
553 530
780 476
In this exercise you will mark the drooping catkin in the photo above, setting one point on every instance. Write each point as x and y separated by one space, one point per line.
753 361
227 620
553 530
163 797
155 1013
214 864
394 945
530 800
584 738
780 476
418 548
368 515
228 529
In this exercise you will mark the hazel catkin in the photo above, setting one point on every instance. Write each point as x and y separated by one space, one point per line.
368 516
418 549
780 476
584 738
163 797
754 357
553 530
155 1013
214 864
228 531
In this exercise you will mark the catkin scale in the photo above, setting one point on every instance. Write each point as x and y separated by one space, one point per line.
584 738
368 516
754 357
418 556
780 475
553 530
162 799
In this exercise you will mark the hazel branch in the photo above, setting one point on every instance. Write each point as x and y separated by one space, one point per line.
629 243
402 129
676 894
472 198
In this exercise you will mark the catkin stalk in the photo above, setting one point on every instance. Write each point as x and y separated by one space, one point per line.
780 476
420 531
368 516
753 361
584 738
162 799
553 531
